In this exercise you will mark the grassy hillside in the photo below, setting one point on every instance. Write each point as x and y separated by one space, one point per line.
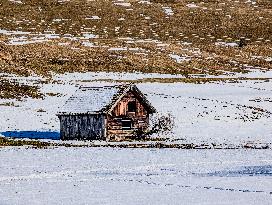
165 36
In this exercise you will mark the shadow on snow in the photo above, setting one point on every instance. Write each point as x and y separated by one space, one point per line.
32 134
265 170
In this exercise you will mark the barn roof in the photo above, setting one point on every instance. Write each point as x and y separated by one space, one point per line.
91 100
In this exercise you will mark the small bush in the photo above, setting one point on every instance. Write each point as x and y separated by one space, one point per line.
161 125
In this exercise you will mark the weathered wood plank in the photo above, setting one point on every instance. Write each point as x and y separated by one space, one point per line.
139 118
82 127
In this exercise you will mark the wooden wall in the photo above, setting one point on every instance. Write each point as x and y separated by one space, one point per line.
140 118
88 127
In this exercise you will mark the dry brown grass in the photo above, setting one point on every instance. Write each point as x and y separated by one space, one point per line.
31 143
43 58
12 89
229 21
244 19
46 57
156 143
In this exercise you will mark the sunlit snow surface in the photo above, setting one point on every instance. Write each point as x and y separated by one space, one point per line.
215 112
135 176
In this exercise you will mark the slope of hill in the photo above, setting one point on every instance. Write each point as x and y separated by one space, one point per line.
165 36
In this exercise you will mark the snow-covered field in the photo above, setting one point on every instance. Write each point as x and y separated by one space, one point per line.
185 37
134 176
214 112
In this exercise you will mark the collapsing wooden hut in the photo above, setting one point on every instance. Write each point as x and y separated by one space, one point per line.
108 112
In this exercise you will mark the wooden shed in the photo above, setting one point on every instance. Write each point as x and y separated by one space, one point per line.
108 112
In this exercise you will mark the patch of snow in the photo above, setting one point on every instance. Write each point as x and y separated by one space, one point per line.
24 40
168 11
226 44
118 49
77 78
126 38
125 49
162 44
6 32
136 49
89 99
268 59
64 44
88 44
16 1
57 20
147 40
144 2
192 5
180 59
186 43
50 36
93 18
121 3
89 35
251 2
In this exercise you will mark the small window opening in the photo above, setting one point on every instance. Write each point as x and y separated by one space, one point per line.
132 106
126 124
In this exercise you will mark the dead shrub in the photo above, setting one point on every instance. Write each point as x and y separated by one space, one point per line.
161 125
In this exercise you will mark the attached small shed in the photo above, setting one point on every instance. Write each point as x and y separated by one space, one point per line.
108 112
